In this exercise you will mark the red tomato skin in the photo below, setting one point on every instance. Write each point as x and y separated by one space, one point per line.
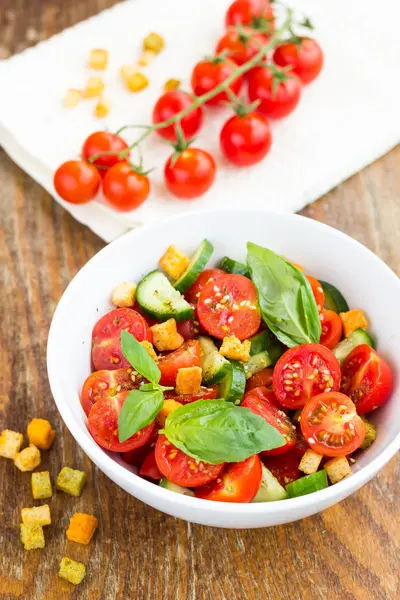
263 378
367 379
77 181
171 103
188 355
238 483
104 141
149 467
244 11
205 393
237 50
103 425
207 75
124 188
187 330
193 293
306 59
191 175
332 329
246 140
278 103
318 292
265 395
102 384
284 467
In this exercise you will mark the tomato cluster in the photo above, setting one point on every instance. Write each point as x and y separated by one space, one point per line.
273 85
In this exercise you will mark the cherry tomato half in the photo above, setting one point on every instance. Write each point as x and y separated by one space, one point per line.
171 103
278 98
191 174
285 467
262 378
331 329
240 47
104 142
182 469
318 292
77 181
188 355
205 393
331 426
104 384
305 59
303 372
206 276
207 74
124 188
256 13
366 379
245 140
149 467
238 483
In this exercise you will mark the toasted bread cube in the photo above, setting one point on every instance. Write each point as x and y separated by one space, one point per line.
94 87
98 59
28 459
71 481
124 294
72 98
174 262
169 407
37 515
188 380
10 443
81 528
40 433
127 71
150 349
233 348
146 57
370 435
166 336
72 571
102 108
352 320
136 82
154 42
337 468
41 485
32 536
172 84
310 462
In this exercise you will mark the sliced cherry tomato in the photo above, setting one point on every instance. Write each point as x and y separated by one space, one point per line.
238 483
263 402
206 276
104 384
331 329
318 292
205 393
284 467
303 372
124 187
149 467
171 103
278 92
366 379
305 58
259 14
262 378
103 142
245 140
191 174
240 46
182 469
229 306
331 426
188 355
103 425
136 457
187 329
77 181
106 346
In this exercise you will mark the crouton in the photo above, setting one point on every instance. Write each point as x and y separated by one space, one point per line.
150 349
81 528
166 336
154 42
174 262
124 294
310 462
41 485
10 443
28 459
32 536
169 407
370 435
337 468
233 348
72 571
94 87
352 320
37 515
40 433
188 380
71 481
98 59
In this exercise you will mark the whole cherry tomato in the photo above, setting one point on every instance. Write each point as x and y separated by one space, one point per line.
209 73
245 140
240 46
277 90
104 141
171 103
191 174
259 14
124 187
305 58
77 181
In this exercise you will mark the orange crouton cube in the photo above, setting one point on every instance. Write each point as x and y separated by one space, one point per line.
102 108
10 443
310 462
174 262
188 380
166 336
150 349
337 468
40 433
72 98
32 536
352 320
169 407
94 87
154 42
81 528
28 459
124 294
233 348
37 515
98 59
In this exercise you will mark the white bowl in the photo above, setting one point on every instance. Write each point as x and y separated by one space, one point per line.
363 278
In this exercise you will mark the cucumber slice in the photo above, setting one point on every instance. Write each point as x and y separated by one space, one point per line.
359 336
173 487
232 387
233 266
265 340
270 489
199 260
257 363
160 301
308 484
215 366
333 298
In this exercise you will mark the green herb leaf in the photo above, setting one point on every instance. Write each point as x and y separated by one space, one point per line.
217 431
138 410
139 358
286 300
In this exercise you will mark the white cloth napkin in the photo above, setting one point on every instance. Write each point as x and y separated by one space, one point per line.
347 118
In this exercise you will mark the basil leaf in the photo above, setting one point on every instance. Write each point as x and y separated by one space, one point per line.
139 358
285 296
217 431
138 410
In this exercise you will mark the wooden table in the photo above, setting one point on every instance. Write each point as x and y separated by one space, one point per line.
349 551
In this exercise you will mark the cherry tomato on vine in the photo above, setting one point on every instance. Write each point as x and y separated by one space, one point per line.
305 58
279 92
104 141
245 140
171 103
124 187
191 174
77 181
240 46
331 329
256 13
209 73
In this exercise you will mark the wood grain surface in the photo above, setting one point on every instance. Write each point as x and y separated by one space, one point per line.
350 551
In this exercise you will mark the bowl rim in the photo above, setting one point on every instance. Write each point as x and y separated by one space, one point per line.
126 478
